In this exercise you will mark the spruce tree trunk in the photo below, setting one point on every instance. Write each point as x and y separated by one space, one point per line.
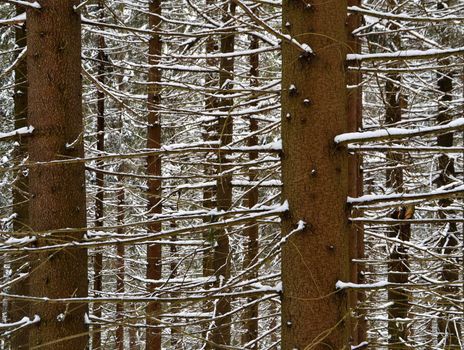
398 262
100 182
252 230
315 177
355 176
448 328
120 264
57 191
154 268
18 309
209 193
221 260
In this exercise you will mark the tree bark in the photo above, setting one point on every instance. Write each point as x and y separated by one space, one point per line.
100 181
221 260
154 268
57 191
315 177
18 309
448 328
355 176
120 266
252 230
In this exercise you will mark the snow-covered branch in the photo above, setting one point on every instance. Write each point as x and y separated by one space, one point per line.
398 133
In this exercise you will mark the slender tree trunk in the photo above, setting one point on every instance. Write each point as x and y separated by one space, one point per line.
209 193
18 309
398 265
176 333
355 176
57 191
221 261
315 177
252 231
448 328
153 336
100 183
120 267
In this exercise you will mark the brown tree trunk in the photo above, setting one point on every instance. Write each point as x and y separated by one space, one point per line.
153 334
99 196
18 309
355 177
57 191
209 193
448 327
315 177
120 267
398 265
252 231
221 260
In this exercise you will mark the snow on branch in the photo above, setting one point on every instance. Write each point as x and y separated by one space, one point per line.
400 197
398 133
15 133
14 20
25 321
401 17
406 55
34 5
348 285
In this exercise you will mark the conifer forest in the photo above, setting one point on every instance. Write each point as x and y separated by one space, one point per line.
231 174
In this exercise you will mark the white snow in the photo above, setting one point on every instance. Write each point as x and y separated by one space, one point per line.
21 131
345 285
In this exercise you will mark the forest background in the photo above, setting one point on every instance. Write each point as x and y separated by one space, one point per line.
237 174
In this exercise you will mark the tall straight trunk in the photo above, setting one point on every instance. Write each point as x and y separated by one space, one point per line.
153 334
176 332
57 191
355 178
252 231
209 134
120 266
315 177
398 264
221 260
448 328
18 309
100 181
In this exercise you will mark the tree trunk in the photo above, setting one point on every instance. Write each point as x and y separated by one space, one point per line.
448 327
153 335
209 193
315 177
120 267
57 191
221 260
355 176
398 265
252 230
100 183
18 309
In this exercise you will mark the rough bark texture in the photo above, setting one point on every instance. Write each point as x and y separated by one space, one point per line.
398 265
18 309
252 230
153 335
120 267
209 134
57 191
100 183
315 178
448 328
398 273
355 176
221 260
